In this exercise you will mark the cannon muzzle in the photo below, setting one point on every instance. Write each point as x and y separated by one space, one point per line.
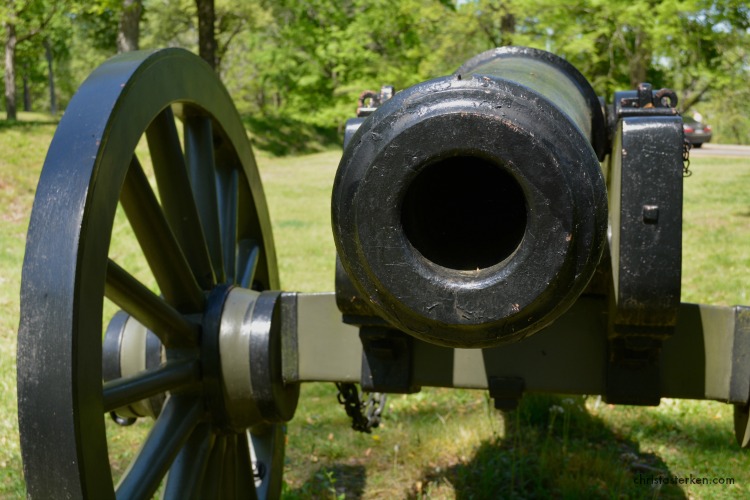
471 210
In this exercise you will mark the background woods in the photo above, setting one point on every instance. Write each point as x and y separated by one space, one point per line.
299 65
294 69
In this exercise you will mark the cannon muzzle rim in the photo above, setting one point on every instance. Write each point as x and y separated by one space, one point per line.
486 125
478 63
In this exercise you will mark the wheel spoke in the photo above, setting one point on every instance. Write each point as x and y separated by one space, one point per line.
201 165
267 451
212 480
172 375
177 195
228 201
156 239
248 255
148 308
188 222
229 472
187 471
245 472
170 432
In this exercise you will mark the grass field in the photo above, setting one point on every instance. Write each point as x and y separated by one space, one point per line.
441 443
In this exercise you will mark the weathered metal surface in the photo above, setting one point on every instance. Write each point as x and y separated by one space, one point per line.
645 208
214 185
327 339
470 210
129 349
251 388
387 360
705 358
552 77
645 193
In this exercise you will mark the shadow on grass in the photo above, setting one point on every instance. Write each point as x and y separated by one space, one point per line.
25 124
682 427
554 448
335 481
283 135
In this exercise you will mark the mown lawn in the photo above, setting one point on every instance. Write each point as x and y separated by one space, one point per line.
441 443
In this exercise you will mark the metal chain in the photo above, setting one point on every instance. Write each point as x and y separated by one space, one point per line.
362 421
686 146
374 407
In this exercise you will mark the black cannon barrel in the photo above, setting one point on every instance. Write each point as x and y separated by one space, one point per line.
470 210
554 78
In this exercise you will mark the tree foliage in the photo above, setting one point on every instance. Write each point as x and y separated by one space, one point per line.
308 60
690 45
21 22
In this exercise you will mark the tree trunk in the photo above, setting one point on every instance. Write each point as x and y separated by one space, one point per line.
639 60
507 29
206 34
50 77
502 35
26 90
10 71
128 29
637 69
260 100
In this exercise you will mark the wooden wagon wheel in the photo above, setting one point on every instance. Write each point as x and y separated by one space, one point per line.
215 391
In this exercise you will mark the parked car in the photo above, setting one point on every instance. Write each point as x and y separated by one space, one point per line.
696 132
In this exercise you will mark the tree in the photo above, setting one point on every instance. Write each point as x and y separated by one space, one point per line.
317 56
38 60
206 31
713 59
210 28
693 46
110 24
21 23
128 29
308 60
497 20
50 76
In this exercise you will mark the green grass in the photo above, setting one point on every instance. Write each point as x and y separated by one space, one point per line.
716 242
442 443
298 192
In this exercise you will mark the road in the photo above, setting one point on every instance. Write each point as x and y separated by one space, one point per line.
725 150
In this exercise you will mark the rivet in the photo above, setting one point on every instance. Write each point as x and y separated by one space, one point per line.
650 214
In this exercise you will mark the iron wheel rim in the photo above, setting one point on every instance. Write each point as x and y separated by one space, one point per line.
67 270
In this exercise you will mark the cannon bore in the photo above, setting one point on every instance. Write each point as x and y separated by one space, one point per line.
470 210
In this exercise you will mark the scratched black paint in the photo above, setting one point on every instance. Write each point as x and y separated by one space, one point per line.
484 265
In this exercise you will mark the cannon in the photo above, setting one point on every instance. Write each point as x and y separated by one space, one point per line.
501 228
471 211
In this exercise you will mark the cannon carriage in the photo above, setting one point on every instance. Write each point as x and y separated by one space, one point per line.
500 229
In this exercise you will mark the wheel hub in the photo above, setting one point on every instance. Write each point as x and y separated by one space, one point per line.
239 354
241 350
130 348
